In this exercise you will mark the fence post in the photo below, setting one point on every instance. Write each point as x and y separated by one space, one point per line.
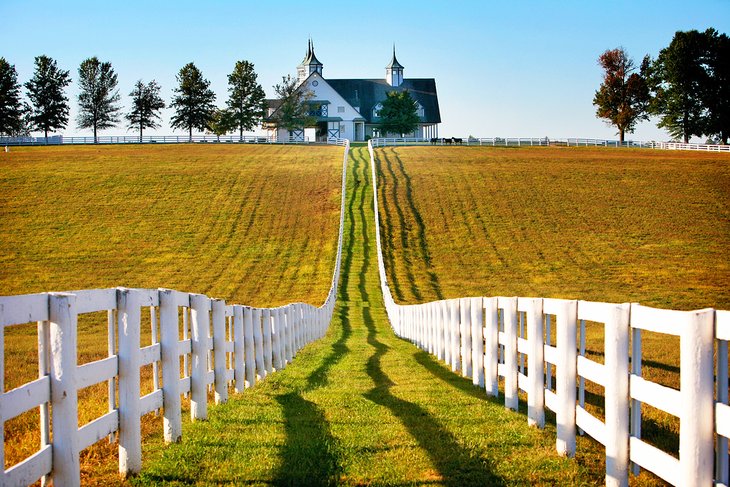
64 395
248 346
219 350
566 322
696 423
170 354
455 335
130 434
477 341
276 338
240 343
509 308
200 324
445 332
465 325
491 350
441 326
258 339
616 348
535 366
266 321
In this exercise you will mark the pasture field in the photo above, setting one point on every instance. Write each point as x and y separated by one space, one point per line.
610 225
363 407
254 225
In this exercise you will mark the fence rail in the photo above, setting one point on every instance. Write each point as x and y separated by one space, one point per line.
544 141
157 139
222 346
488 338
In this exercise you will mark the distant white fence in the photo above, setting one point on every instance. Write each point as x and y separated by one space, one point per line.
157 139
544 141
222 345
510 338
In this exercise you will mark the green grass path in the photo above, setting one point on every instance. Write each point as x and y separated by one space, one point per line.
362 407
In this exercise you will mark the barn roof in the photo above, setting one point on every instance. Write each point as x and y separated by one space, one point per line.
367 93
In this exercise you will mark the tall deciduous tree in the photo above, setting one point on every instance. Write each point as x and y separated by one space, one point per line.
399 113
46 93
680 80
11 106
193 102
246 100
623 97
718 92
146 105
99 97
294 107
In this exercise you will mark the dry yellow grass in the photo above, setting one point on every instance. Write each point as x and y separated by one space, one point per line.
608 225
252 224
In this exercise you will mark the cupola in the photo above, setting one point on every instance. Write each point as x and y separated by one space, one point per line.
394 72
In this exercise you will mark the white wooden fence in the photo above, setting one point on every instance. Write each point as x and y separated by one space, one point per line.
510 338
221 345
544 141
158 139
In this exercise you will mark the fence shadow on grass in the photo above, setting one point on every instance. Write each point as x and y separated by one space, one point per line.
456 465
310 455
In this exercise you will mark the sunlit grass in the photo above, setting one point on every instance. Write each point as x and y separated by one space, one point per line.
362 407
254 225
594 224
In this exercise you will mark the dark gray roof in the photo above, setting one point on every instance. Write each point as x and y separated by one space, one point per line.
366 93
310 58
394 62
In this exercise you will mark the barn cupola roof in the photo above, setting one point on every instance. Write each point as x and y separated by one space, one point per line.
394 71
394 64
310 64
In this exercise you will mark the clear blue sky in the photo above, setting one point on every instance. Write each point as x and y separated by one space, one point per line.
508 69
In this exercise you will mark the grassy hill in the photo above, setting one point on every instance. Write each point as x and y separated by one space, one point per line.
254 225
608 225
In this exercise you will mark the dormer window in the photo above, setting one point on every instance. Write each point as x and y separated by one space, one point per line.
376 110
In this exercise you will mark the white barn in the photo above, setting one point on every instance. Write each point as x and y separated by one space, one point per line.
348 108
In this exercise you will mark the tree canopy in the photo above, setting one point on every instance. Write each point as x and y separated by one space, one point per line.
99 97
623 97
246 100
399 113
46 93
294 107
680 80
718 91
11 106
146 105
193 101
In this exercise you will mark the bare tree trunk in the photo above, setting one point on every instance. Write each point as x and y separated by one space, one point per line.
190 134
95 133
621 135
140 132
240 133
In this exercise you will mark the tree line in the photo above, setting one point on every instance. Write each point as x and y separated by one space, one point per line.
687 86
47 106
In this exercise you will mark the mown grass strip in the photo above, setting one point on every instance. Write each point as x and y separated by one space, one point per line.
363 407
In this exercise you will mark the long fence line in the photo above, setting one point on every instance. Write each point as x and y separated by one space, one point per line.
154 139
221 346
545 141
488 338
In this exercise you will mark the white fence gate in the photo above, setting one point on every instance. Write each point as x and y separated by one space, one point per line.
222 345
508 337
